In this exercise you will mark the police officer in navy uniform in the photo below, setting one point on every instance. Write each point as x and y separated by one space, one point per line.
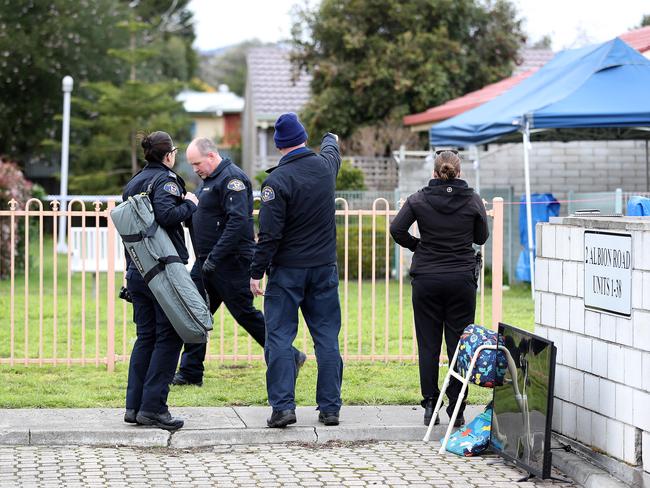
223 237
297 245
450 217
157 347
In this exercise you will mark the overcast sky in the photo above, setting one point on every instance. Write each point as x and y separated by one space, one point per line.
570 23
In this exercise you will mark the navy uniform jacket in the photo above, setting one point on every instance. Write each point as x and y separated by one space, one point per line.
223 223
297 216
169 206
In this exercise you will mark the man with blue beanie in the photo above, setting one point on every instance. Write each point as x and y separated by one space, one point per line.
297 248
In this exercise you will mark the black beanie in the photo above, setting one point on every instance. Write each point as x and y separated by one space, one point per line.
289 132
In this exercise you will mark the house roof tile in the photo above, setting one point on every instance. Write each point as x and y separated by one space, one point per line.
273 89
639 39
532 58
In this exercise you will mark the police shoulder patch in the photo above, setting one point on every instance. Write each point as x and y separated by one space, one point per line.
267 194
236 185
172 188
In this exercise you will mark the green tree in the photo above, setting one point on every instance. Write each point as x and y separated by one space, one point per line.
40 42
169 34
114 114
378 59
645 20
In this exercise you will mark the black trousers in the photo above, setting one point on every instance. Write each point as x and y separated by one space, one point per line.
441 302
155 352
229 284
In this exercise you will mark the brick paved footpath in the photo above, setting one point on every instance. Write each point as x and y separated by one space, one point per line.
334 464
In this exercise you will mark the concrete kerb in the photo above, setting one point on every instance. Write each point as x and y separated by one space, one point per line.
595 469
212 426
583 472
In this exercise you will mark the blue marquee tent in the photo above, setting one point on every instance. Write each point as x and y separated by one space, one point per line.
601 86
596 86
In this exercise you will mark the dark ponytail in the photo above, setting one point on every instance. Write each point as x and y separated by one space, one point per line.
156 145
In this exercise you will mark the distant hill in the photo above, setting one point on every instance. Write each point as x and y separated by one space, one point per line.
227 65
217 51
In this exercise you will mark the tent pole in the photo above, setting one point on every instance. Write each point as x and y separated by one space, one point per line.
477 167
529 207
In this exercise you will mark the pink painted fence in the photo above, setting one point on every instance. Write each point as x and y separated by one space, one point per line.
62 308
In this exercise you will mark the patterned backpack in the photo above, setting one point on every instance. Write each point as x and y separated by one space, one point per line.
490 367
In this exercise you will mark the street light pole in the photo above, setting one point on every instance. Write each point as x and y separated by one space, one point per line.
66 85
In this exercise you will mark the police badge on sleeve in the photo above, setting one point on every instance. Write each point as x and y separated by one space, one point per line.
172 188
267 194
236 185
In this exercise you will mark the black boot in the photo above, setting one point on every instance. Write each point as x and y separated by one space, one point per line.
160 420
180 380
429 405
300 361
460 420
281 418
129 416
328 418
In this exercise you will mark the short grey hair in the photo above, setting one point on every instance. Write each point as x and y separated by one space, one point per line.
205 145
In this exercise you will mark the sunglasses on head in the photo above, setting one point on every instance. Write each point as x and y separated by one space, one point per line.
440 151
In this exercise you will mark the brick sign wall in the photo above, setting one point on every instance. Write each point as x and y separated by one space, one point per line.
602 386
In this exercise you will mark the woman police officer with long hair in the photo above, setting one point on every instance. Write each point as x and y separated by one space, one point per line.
450 217
157 347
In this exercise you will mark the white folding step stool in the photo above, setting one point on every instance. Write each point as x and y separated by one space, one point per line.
465 382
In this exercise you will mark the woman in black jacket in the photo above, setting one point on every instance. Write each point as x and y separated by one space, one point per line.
451 217
157 347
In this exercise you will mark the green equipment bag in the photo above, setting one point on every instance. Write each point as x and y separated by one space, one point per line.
155 256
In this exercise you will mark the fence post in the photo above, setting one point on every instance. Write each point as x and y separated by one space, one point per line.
497 261
618 203
396 247
12 276
110 289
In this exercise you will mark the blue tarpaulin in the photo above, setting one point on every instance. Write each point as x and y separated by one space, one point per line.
605 85
638 206
544 206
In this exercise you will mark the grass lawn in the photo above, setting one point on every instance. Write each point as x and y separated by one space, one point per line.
234 383
226 383
231 384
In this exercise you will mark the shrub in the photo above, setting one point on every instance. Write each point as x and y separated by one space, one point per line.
13 185
349 178
366 250
260 176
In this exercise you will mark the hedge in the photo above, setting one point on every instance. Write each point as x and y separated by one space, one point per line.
366 248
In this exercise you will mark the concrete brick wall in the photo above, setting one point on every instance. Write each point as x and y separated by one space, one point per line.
602 384
558 167
555 167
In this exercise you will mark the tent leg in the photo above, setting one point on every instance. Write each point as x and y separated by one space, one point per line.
529 208
477 168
